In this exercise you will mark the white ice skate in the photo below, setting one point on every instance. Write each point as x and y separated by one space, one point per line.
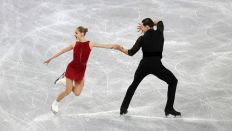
61 80
54 107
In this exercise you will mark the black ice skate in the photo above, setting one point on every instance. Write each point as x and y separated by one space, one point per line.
122 112
172 112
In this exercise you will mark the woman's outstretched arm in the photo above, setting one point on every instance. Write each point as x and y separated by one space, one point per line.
107 46
66 49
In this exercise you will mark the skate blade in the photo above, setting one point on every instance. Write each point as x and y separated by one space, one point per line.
61 81
172 116
59 78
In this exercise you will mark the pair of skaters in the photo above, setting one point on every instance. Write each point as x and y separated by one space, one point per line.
151 42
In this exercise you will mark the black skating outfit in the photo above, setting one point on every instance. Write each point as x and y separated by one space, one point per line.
152 43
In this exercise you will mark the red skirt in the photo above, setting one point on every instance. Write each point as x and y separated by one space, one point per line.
75 71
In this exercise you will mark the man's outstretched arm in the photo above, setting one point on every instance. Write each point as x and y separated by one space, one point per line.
134 49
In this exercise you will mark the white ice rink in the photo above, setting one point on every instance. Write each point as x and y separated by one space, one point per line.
198 50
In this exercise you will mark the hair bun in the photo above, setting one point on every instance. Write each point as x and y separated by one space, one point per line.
82 29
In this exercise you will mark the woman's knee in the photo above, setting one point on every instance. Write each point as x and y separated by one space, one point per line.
77 93
77 89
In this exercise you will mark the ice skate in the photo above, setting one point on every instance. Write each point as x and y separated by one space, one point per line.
123 112
54 107
60 80
172 112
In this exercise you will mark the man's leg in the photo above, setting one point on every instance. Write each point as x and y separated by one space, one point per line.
167 76
138 77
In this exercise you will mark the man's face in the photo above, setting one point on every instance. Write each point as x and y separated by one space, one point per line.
144 28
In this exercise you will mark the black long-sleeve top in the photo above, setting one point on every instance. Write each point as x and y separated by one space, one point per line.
152 42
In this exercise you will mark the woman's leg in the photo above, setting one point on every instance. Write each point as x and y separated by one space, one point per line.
67 91
78 87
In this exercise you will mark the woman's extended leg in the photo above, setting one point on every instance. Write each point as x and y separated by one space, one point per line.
68 89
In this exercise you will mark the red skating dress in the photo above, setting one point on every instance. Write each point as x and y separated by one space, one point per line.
76 68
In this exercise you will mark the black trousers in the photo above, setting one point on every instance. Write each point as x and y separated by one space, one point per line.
152 65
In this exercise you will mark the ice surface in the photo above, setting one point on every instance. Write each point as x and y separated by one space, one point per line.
198 50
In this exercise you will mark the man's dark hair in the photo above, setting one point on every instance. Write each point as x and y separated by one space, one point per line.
148 21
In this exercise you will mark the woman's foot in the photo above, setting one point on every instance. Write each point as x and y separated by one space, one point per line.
54 107
60 79
172 112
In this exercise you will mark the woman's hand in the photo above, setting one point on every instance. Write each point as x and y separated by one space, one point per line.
123 50
66 49
47 61
116 46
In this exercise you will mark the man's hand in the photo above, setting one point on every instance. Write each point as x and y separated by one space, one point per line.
121 48
139 27
156 21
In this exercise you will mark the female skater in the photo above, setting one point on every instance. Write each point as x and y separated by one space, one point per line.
152 47
75 70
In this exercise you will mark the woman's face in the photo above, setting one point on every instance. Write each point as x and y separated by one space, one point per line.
78 34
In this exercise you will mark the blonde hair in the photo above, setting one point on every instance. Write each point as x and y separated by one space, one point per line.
82 29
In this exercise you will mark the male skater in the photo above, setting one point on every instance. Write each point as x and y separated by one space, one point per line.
152 43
